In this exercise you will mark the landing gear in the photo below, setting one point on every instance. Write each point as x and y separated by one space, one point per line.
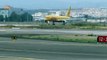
48 22
53 22
64 22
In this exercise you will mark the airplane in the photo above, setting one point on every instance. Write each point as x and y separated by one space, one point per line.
50 18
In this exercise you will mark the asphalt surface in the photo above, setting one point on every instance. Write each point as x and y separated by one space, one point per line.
26 49
50 31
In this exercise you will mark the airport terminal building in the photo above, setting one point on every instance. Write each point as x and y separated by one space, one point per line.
7 10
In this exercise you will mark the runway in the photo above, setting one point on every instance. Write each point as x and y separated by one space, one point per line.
27 49
50 31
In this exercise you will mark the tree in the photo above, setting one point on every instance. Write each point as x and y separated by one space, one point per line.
26 17
86 17
19 18
1 18
14 17
6 19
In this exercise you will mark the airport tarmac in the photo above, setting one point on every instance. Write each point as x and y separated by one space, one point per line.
50 31
28 49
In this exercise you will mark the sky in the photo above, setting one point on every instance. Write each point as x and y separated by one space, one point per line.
54 4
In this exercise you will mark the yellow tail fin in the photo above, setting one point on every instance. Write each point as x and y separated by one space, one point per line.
68 12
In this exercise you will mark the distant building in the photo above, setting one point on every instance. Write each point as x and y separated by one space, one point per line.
56 13
94 12
39 16
4 12
7 10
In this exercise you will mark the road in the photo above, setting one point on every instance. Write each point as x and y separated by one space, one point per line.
26 49
50 31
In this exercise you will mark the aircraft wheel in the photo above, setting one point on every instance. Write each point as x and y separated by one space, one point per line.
53 22
64 22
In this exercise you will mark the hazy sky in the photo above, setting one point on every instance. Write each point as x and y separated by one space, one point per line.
54 4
